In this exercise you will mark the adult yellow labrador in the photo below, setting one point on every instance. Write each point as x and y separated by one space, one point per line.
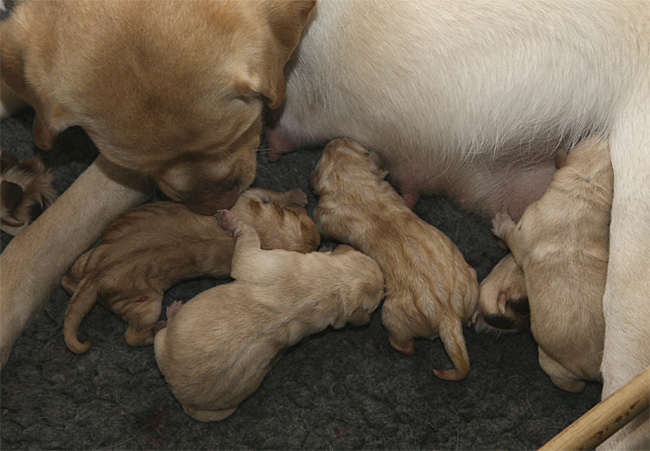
466 97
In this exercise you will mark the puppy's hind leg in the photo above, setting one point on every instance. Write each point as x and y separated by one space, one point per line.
451 334
560 376
208 415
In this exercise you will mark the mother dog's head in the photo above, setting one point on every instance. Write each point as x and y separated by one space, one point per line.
172 89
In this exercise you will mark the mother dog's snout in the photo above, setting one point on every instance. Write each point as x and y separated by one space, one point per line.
208 203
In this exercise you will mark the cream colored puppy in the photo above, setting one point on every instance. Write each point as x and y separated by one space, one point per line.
217 348
430 289
150 248
562 245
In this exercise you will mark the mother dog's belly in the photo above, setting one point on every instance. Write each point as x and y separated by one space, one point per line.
460 98
484 184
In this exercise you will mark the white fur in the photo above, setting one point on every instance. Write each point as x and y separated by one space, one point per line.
443 90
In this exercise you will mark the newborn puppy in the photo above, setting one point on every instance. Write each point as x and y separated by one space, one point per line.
150 248
217 348
503 302
562 245
26 191
430 289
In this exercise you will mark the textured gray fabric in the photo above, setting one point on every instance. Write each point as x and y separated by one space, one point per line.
344 389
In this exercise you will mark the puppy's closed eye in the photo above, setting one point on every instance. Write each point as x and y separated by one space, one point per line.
500 321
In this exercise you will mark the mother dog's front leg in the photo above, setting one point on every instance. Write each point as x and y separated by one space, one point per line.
626 304
35 260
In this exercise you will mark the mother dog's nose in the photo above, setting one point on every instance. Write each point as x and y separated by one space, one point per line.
209 203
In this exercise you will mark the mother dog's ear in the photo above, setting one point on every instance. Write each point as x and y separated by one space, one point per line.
286 20
12 68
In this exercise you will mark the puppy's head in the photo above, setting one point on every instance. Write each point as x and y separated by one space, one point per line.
344 160
174 90
503 300
280 225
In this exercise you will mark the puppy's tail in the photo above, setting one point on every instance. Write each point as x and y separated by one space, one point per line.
451 334
80 305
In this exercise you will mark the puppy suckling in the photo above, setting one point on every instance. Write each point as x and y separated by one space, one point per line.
219 346
503 301
430 289
150 248
562 245
26 191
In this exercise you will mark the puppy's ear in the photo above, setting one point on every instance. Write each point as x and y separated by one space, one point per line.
286 20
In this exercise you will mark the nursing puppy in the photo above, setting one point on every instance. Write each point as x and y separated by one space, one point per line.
430 289
217 348
467 98
562 244
149 249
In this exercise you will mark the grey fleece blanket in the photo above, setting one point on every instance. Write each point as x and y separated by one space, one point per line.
343 389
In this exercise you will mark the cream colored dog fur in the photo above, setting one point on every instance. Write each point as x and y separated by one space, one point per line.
562 245
503 300
430 289
466 97
150 248
217 348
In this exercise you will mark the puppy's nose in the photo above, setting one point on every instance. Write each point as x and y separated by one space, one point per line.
209 205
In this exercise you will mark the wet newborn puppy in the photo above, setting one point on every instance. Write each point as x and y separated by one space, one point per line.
562 245
430 289
150 248
26 191
217 348
503 302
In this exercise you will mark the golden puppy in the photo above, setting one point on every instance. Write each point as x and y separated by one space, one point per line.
430 289
217 348
150 248
503 301
562 245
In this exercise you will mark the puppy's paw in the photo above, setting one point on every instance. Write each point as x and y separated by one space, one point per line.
160 325
297 196
227 221
278 145
406 347
499 224
173 309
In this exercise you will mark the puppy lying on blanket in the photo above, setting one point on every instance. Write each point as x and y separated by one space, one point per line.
562 245
150 248
430 289
217 348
